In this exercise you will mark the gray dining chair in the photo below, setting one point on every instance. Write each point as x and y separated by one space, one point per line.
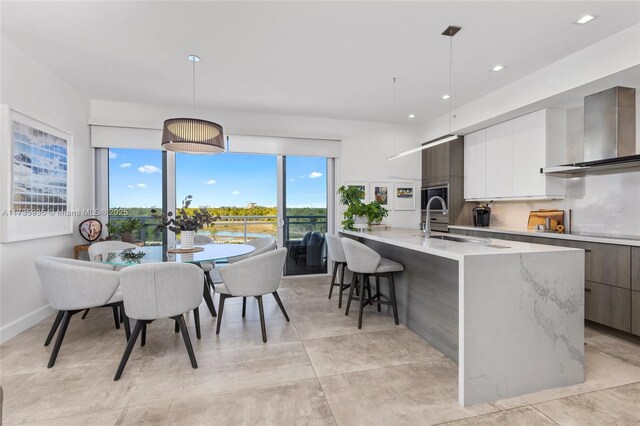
253 277
72 286
365 262
103 248
336 254
160 290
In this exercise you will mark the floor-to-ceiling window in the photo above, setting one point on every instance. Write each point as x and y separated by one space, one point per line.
240 188
305 214
135 187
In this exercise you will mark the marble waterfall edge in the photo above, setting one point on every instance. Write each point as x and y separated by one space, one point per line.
522 328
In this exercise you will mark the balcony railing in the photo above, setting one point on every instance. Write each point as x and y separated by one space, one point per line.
239 229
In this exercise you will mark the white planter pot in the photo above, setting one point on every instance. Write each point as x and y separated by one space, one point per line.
360 222
186 239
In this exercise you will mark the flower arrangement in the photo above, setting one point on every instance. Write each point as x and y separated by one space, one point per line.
184 220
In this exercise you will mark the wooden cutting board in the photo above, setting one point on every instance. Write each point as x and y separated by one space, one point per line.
539 217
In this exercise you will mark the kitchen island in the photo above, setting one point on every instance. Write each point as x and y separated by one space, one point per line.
510 314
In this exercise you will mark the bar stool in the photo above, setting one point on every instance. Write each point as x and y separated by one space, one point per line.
365 262
336 253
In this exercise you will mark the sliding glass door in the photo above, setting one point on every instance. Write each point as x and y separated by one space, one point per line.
305 214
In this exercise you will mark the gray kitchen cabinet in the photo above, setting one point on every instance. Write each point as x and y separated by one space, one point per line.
608 305
635 269
607 263
436 165
635 312
519 238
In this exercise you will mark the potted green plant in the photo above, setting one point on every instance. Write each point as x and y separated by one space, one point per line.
125 228
375 212
185 222
356 210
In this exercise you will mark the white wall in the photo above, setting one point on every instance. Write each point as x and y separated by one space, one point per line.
32 89
364 145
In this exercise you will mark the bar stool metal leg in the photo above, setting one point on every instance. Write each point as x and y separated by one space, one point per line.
362 281
342 286
392 295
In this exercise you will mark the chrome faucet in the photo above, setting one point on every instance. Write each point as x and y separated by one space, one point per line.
427 223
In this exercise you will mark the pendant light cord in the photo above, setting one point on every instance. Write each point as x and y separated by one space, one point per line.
395 113
450 79
194 86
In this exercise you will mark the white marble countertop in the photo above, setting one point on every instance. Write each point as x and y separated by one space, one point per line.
413 240
625 241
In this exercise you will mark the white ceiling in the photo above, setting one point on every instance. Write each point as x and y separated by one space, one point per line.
329 59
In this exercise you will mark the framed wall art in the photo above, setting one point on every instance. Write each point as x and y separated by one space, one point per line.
382 192
364 186
36 190
405 196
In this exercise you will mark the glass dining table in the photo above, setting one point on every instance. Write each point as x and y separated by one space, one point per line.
209 254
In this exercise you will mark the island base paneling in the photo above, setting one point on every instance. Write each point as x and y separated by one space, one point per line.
427 295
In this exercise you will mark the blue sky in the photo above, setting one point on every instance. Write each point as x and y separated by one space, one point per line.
135 179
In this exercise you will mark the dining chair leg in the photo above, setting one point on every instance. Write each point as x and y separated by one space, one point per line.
354 281
277 297
333 278
127 326
187 340
244 306
143 338
84 314
137 328
63 330
209 301
362 282
196 319
116 316
392 295
221 307
344 265
54 327
262 324
378 293
176 328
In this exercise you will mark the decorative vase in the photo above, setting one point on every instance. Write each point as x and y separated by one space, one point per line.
360 222
186 239
127 237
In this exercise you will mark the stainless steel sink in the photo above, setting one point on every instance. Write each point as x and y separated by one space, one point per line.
456 239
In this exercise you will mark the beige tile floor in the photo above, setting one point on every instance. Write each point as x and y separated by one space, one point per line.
317 369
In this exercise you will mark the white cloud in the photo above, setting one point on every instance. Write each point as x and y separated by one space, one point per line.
125 165
137 185
314 175
235 193
112 155
292 180
210 182
129 186
148 169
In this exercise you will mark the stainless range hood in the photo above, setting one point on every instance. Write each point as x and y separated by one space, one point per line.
609 133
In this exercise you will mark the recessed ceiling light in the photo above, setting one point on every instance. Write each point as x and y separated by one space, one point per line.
497 68
412 116
445 97
585 19
193 58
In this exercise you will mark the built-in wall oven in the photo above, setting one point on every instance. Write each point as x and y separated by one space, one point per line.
439 222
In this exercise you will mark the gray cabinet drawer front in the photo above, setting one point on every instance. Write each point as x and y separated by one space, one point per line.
635 269
608 305
635 312
607 264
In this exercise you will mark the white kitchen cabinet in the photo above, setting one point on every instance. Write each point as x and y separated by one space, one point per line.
475 165
514 153
499 160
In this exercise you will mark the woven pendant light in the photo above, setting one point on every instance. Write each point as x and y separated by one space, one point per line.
192 135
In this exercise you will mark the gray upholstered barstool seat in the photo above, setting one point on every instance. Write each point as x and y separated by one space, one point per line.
336 253
365 262
160 290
